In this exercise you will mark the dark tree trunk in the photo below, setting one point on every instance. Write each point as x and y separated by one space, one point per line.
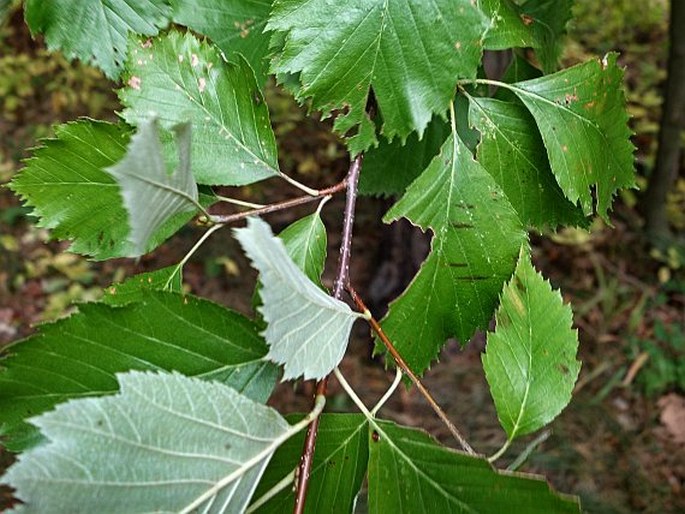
672 123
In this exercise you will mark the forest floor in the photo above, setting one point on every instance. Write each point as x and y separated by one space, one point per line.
620 444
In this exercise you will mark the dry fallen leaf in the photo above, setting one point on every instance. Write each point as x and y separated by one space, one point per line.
673 415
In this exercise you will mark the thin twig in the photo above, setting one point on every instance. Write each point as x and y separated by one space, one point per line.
402 364
342 277
301 200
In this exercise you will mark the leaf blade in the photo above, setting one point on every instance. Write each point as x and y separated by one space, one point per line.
234 26
135 288
178 78
80 355
306 242
477 237
104 26
151 196
295 309
512 151
530 360
367 45
583 121
410 472
337 471
66 184
161 444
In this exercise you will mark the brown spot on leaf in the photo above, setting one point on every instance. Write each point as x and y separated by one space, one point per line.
527 20
134 82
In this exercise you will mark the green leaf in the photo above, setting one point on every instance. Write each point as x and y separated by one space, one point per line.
71 194
152 196
539 24
548 20
518 70
165 443
96 31
178 78
512 151
235 26
476 239
136 288
338 469
410 472
583 121
508 28
410 53
530 359
306 243
307 330
391 167
79 356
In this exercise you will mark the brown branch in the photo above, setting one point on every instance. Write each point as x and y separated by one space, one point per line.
287 204
342 278
402 364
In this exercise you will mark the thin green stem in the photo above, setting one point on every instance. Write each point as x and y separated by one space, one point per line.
391 390
190 253
500 452
298 185
240 203
352 394
489 82
282 484
523 456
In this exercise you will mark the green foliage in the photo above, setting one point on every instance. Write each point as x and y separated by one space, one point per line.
392 166
182 443
103 27
307 330
340 462
530 359
136 288
72 194
367 45
476 239
547 151
151 196
582 108
79 356
177 78
235 26
513 152
305 242
665 351
410 472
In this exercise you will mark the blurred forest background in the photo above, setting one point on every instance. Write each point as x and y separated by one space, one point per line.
620 445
